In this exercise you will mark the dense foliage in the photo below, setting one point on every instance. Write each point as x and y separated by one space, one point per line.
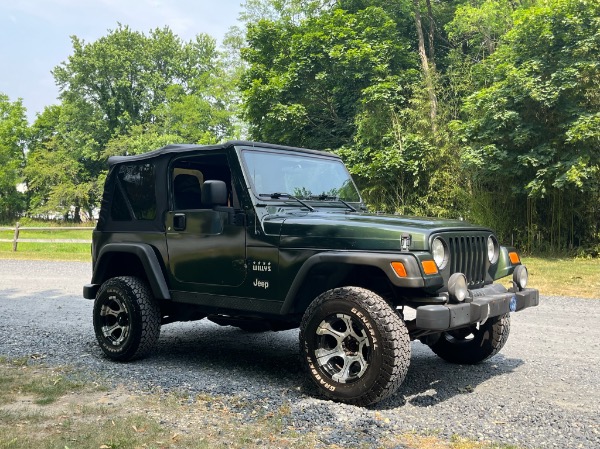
13 138
486 110
482 109
534 121
306 83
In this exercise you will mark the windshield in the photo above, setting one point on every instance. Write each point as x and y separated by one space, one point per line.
305 177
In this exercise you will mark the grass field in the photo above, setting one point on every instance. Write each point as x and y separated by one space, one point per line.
565 277
55 408
47 251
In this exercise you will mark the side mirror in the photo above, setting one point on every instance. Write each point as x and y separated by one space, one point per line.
214 193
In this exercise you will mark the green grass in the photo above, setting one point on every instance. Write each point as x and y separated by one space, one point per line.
41 407
47 251
43 385
46 255
49 388
564 277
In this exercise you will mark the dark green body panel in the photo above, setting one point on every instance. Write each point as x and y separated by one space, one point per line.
362 231
208 254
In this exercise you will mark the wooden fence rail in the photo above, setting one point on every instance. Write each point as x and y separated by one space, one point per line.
17 229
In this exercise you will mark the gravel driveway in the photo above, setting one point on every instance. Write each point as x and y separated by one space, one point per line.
541 391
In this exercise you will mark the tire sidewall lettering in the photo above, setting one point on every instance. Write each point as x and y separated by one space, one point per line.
322 379
313 370
370 329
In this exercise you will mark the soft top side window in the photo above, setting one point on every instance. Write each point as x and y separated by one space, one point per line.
134 196
187 189
189 174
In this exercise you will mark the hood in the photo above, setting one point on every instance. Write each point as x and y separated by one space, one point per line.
361 231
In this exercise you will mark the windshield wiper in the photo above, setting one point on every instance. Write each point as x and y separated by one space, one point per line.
278 195
335 198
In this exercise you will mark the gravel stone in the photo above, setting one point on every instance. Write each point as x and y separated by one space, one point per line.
540 391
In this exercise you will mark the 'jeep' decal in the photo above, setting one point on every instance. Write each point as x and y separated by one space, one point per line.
261 284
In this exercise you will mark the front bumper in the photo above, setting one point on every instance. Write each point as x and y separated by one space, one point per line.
492 303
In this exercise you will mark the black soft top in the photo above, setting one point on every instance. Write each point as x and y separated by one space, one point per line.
183 148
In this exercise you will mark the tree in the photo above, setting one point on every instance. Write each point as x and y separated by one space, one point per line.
13 141
534 121
126 75
286 11
117 93
305 82
477 30
427 63
349 80
64 164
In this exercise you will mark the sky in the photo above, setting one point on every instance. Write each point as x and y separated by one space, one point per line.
35 35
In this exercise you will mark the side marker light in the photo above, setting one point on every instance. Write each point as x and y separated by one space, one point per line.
399 269
514 258
429 267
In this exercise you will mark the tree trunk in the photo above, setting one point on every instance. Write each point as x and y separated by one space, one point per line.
431 36
76 216
425 65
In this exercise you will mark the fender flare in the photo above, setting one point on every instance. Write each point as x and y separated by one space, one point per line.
145 253
378 260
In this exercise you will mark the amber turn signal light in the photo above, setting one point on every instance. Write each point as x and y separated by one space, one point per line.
429 267
514 258
399 269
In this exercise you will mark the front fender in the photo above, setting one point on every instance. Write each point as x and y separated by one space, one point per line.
414 279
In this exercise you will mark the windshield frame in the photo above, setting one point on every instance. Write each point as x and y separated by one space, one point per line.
260 197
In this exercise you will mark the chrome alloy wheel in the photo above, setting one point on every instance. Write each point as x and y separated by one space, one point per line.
115 323
343 349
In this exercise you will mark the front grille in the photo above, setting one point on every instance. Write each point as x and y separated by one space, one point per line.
468 255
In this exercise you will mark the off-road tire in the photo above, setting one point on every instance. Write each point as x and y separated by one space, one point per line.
377 341
475 344
127 318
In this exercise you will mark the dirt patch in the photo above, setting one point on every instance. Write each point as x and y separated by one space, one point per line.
66 404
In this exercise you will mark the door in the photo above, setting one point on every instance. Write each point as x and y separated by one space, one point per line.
206 243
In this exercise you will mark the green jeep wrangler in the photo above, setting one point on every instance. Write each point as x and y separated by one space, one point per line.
263 236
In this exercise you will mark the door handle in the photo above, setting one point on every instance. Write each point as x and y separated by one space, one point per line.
179 222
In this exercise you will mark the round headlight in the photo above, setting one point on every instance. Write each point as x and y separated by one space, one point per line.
438 251
457 287
521 276
492 249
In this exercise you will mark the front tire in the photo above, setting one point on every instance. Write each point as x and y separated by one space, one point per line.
127 318
474 344
354 346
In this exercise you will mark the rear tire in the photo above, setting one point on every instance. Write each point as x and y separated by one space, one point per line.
127 318
354 346
473 344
